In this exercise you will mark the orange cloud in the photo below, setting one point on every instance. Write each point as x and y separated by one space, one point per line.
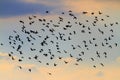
3 54
78 5
90 5
63 72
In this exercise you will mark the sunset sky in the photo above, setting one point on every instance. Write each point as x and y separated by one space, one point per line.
11 11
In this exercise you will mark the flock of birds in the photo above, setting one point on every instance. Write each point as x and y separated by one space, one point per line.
67 36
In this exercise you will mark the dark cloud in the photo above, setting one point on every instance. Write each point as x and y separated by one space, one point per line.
10 8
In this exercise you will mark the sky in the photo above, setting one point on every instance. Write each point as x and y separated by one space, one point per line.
11 11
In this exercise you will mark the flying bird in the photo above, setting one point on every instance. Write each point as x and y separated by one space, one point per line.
45 39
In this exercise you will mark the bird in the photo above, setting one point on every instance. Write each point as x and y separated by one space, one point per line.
82 52
55 64
70 11
102 64
63 13
92 13
35 57
116 22
79 59
29 70
94 66
29 57
84 12
1 44
19 46
47 11
107 16
13 58
76 64
105 25
65 62
102 19
30 18
47 63
71 55
20 52
94 38
19 60
50 73
60 57
21 21
48 39
20 67
83 31
34 16
92 59
100 13
116 44
9 55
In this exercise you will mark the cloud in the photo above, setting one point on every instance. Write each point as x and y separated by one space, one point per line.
9 72
118 59
23 7
100 74
3 54
77 5
108 0
44 2
15 8
5 65
69 59
90 5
